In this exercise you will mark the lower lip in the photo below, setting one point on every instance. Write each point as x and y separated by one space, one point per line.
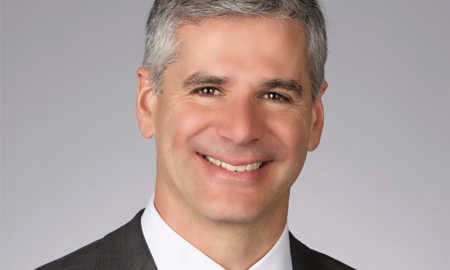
221 173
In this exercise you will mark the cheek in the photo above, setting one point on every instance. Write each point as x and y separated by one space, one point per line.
292 130
294 136
187 121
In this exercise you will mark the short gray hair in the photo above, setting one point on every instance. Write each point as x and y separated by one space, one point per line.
167 15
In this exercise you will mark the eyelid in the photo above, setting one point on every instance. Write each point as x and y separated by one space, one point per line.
285 98
198 90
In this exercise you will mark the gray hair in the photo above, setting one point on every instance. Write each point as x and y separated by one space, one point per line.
167 15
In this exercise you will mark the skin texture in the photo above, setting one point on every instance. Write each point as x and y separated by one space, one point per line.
239 95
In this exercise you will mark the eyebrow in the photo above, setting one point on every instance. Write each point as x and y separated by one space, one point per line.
200 78
289 85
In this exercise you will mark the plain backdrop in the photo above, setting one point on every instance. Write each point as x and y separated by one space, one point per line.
375 194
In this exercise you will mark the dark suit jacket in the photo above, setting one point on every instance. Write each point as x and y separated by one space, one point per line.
126 249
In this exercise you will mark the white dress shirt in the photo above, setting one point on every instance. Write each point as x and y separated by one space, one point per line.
170 251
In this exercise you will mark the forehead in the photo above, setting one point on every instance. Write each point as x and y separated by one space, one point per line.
250 45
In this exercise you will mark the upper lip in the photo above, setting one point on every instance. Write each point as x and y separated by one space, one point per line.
237 161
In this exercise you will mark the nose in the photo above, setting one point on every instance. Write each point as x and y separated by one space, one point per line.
241 122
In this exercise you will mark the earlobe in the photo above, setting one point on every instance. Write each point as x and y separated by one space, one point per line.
317 119
144 103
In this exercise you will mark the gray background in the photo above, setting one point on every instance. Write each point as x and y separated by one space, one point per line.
74 167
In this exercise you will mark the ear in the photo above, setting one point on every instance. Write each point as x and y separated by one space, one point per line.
317 119
144 103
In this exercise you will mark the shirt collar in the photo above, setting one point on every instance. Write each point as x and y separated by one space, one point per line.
171 251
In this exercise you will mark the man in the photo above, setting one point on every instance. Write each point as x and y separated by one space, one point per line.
231 91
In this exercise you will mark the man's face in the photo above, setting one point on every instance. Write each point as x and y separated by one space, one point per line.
235 119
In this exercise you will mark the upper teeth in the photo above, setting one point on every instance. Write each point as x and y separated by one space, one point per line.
241 168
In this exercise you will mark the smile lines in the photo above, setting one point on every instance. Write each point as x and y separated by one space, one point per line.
229 167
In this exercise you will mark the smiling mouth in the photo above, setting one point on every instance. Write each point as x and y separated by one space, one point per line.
234 168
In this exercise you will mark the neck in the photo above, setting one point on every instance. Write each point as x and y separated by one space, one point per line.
217 238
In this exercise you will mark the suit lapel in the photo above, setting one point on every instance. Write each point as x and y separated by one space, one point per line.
149 265
300 254
127 248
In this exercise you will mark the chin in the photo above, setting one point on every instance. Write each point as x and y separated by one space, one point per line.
233 211
233 218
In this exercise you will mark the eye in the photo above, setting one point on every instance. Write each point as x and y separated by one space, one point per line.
276 97
207 91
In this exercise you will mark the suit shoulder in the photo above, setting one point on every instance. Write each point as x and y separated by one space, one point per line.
308 258
83 258
327 262
114 251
